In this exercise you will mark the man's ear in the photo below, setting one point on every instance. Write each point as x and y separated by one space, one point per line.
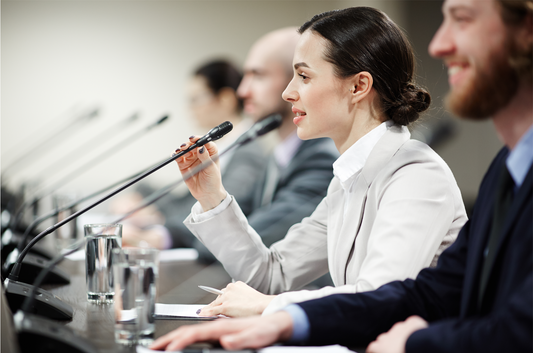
361 84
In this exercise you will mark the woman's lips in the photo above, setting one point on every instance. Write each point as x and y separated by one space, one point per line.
298 118
299 115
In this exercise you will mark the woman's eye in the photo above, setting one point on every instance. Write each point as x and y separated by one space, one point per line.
302 76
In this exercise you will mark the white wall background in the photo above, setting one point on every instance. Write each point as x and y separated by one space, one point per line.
60 58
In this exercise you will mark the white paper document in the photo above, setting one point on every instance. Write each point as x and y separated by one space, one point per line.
179 254
180 311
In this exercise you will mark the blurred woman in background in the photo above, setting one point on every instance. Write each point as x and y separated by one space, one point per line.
212 99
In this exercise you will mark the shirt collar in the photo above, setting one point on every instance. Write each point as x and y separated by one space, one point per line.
354 158
521 157
285 151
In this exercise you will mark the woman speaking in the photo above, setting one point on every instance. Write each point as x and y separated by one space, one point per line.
393 204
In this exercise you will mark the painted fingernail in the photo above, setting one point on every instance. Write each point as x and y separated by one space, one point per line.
191 137
198 311
202 149
183 145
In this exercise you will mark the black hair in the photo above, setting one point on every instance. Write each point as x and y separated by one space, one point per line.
221 74
365 39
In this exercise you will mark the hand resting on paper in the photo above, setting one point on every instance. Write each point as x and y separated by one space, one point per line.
238 300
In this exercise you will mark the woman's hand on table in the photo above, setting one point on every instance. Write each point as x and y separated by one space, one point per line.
238 300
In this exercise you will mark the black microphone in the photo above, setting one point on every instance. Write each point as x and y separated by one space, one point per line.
33 331
86 166
215 133
14 291
35 261
260 128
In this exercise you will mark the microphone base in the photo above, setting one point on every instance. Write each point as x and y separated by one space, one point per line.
36 334
45 304
32 265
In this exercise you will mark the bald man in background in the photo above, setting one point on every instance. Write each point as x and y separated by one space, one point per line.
299 172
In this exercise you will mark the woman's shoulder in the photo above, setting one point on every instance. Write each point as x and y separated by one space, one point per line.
414 151
416 160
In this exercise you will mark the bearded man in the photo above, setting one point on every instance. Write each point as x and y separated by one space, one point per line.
479 298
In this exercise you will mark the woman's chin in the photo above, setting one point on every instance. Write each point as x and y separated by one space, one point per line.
303 135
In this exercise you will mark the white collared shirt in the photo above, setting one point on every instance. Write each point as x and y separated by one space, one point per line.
348 166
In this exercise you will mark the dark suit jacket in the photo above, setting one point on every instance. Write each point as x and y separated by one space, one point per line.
300 188
446 296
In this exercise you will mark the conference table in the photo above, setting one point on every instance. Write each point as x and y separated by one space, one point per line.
177 284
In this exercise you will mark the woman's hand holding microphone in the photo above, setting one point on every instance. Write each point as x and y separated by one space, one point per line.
206 185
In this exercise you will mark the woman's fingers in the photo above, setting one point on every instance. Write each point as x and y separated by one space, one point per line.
206 310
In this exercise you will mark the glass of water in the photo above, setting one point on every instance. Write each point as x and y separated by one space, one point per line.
135 273
67 235
100 240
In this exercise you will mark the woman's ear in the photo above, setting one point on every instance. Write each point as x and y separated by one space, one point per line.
361 85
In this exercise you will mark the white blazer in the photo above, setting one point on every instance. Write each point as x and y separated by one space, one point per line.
407 208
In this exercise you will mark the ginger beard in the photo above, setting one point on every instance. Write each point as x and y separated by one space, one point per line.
489 90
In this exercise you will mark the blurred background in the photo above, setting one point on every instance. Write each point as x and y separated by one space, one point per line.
62 60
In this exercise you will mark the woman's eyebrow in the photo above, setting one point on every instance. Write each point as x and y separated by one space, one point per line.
297 65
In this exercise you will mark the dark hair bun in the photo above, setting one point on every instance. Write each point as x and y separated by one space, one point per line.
413 101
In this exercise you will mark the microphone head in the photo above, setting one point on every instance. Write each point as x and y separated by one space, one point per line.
132 118
165 117
268 124
221 130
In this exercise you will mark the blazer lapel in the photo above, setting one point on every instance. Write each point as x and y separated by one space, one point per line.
523 195
335 201
386 147
479 233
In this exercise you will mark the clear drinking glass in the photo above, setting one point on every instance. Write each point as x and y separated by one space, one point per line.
100 240
67 235
135 271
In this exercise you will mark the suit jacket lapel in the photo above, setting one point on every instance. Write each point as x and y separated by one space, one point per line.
523 195
386 147
479 233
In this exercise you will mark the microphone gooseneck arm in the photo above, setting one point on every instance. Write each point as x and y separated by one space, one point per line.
220 131
49 140
39 220
69 177
115 148
262 127
60 164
